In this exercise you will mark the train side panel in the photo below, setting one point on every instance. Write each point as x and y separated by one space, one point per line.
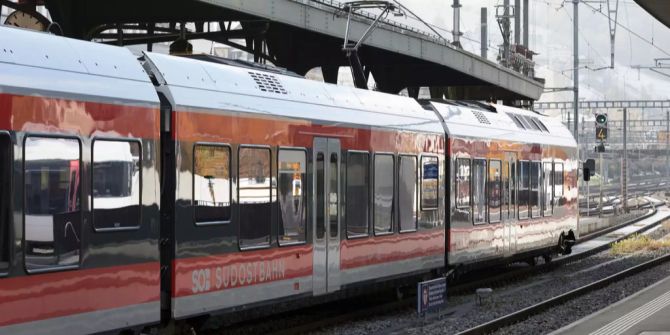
79 253
268 244
513 184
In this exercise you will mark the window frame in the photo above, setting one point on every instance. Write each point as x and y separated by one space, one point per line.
536 164
456 174
417 197
268 245
500 189
369 190
562 164
9 239
23 209
545 193
420 181
485 192
139 222
230 180
374 186
520 163
304 196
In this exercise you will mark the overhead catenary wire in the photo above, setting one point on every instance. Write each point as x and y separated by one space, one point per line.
629 30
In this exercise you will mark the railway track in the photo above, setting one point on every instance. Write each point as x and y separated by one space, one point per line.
364 311
523 314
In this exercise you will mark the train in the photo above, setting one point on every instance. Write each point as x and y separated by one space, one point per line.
153 190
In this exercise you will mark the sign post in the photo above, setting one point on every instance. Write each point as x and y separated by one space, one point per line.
431 296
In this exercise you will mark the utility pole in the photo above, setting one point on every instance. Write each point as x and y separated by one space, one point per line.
575 76
457 23
526 43
517 22
484 28
667 144
624 164
602 181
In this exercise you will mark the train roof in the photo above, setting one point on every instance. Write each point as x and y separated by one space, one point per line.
499 122
33 62
205 85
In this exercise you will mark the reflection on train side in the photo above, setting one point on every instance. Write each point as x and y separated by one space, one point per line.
116 184
52 202
291 174
255 185
211 184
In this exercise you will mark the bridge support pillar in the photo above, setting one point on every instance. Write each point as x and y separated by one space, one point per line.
330 73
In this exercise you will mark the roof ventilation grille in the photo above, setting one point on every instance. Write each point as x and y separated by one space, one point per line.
481 117
267 83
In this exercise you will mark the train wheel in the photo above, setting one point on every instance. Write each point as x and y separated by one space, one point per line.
532 261
562 246
547 258
565 244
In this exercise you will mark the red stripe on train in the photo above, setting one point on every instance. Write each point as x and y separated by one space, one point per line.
282 131
49 295
83 118
390 248
220 272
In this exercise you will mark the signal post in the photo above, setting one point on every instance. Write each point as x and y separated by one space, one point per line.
601 135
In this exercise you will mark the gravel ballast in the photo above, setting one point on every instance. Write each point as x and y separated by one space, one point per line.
464 312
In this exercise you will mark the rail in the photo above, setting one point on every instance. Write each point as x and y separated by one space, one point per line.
565 297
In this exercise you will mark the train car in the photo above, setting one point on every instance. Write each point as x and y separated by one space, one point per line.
79 216
165 189
287 188
513 184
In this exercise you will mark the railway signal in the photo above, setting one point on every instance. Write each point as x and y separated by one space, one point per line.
601 126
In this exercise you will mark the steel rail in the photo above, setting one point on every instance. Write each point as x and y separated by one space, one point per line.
540 307
356 314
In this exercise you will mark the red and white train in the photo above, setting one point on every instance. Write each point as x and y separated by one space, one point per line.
139 192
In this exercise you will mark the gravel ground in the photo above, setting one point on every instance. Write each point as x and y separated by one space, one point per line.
574 310
465 311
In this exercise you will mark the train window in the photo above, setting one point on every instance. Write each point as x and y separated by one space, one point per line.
211 184
524 189
479 191
358 193
541 124
530 122
116 184
333 196
558 182
320 209
517 121
505 190
463 167
535 171
430 172
494 191
407 193
513 185
6 157
254 193
52 202
383 193
291 179
548 194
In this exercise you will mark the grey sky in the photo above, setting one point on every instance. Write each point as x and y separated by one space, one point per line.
551 36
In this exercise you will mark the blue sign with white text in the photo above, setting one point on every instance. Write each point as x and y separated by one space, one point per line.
431 295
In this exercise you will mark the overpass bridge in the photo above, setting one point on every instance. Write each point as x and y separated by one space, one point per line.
298 35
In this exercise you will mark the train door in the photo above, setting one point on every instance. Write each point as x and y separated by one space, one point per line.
326 221
510 176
